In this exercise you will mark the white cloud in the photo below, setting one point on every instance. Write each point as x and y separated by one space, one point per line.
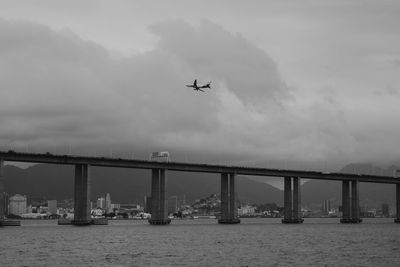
213 52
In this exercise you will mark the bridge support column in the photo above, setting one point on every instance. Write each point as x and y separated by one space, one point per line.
350 203
228 199
82 214
287 200
155 193
224 197
355 203
233 212
397 220
345 202
292 202
2 200
297 215
159 210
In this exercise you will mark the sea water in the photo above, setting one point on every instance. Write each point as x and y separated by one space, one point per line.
203 242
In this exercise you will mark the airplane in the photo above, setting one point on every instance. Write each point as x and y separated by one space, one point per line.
198 88
206 86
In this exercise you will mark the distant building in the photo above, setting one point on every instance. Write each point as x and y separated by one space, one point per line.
115 207
326 206
363 210
183 200
30 209
173 204
385 210
132 206
52 206
108 203
147 204
17 204
101 203
246 210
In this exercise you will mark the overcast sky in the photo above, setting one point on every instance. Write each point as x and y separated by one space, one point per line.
292 81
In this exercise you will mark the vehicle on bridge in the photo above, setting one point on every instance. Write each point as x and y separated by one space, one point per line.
160 156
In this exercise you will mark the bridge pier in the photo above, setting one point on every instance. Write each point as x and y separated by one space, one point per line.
297 215
397 220
355 202
159 210
228 199
2 200
350 204
345 202
82 214
292 201
224 197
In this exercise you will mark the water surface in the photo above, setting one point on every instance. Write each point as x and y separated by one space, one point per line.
203 242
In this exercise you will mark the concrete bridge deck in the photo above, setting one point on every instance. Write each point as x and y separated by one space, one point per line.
12 156
292 192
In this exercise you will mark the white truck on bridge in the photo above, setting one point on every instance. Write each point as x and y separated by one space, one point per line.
160 156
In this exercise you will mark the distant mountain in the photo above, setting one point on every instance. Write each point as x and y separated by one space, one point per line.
46 181
371 194
368 168
39 182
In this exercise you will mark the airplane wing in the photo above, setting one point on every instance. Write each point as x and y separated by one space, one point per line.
195 83
200 90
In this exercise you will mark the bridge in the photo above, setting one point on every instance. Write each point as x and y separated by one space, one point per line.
292 194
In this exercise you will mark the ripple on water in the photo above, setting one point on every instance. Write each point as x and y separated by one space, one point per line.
257 242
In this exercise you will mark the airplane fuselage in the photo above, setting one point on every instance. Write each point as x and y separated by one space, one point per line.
198 88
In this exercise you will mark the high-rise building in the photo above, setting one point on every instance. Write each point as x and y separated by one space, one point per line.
326 206
108 203
52 206
101 203
17 205
173 204
183 200
385 210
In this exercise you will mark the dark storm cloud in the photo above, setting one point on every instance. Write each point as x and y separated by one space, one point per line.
58 90
55 85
